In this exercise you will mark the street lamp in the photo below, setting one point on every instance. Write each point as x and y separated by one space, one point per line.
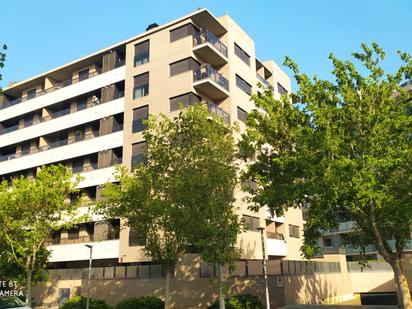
261 229
90 276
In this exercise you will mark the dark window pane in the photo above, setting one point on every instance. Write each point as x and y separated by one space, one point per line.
241 114
294 231
138 153
136 238
242 84
242 54
141 85
73 233
83 75
25 148
77 166
139 115
81 103
181 32
186 99
28 121
31 94
282 89
188 64
141 53
252 223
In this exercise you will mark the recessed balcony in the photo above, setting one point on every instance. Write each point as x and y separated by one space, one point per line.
208 47
276 244
211 83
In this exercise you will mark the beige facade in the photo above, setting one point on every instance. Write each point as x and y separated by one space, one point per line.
84 114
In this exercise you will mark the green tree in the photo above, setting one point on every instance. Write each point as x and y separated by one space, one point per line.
30 210
2 60
344 150
183 195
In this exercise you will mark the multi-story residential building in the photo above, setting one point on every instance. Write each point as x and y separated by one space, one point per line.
88 115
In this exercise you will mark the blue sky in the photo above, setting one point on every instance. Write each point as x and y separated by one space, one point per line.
43 34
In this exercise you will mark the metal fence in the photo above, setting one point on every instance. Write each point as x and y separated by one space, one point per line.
291 268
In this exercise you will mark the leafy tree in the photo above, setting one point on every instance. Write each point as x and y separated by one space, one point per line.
344 150
2 60
30 210
184 193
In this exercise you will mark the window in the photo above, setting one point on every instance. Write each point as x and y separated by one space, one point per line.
139 115
282 89
73 233
81 103
141 85
244 85
25 148
138 153
185 99
242 54
327 242
252 222
84 74
188 64
181 32
241 114
31 94
141 53
207 270
77 166
28 121
294 231
136 239
64 294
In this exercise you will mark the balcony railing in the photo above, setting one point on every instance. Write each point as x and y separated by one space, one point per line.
213 108
62 113
208 72
264 82
272 235
94 166
207 36
57 86
81 239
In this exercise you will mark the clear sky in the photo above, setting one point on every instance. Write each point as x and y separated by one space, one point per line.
43 34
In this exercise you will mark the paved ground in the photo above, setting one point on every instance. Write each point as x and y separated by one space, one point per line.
337 307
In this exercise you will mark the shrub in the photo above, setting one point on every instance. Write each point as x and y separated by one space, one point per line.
79 302
241 301
146 302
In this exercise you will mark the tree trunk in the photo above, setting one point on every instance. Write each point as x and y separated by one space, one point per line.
402 284
221 292
167 298
28 288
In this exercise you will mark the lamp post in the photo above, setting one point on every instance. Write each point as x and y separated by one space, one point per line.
261 229
90 276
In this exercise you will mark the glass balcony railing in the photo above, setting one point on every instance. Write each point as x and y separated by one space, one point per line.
207 36
57 86
272 235
208 72
213 108
10 129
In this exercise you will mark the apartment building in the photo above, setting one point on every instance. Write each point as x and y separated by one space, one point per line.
88 115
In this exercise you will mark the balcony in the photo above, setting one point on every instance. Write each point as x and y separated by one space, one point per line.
213 108
57 86
208 47
264 82
106 249
276 244
63 120
211 82
58 94
62 150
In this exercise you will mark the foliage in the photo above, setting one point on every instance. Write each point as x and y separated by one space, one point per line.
241 301
145 302
184 193
79 302
344 151
2 59
30 210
